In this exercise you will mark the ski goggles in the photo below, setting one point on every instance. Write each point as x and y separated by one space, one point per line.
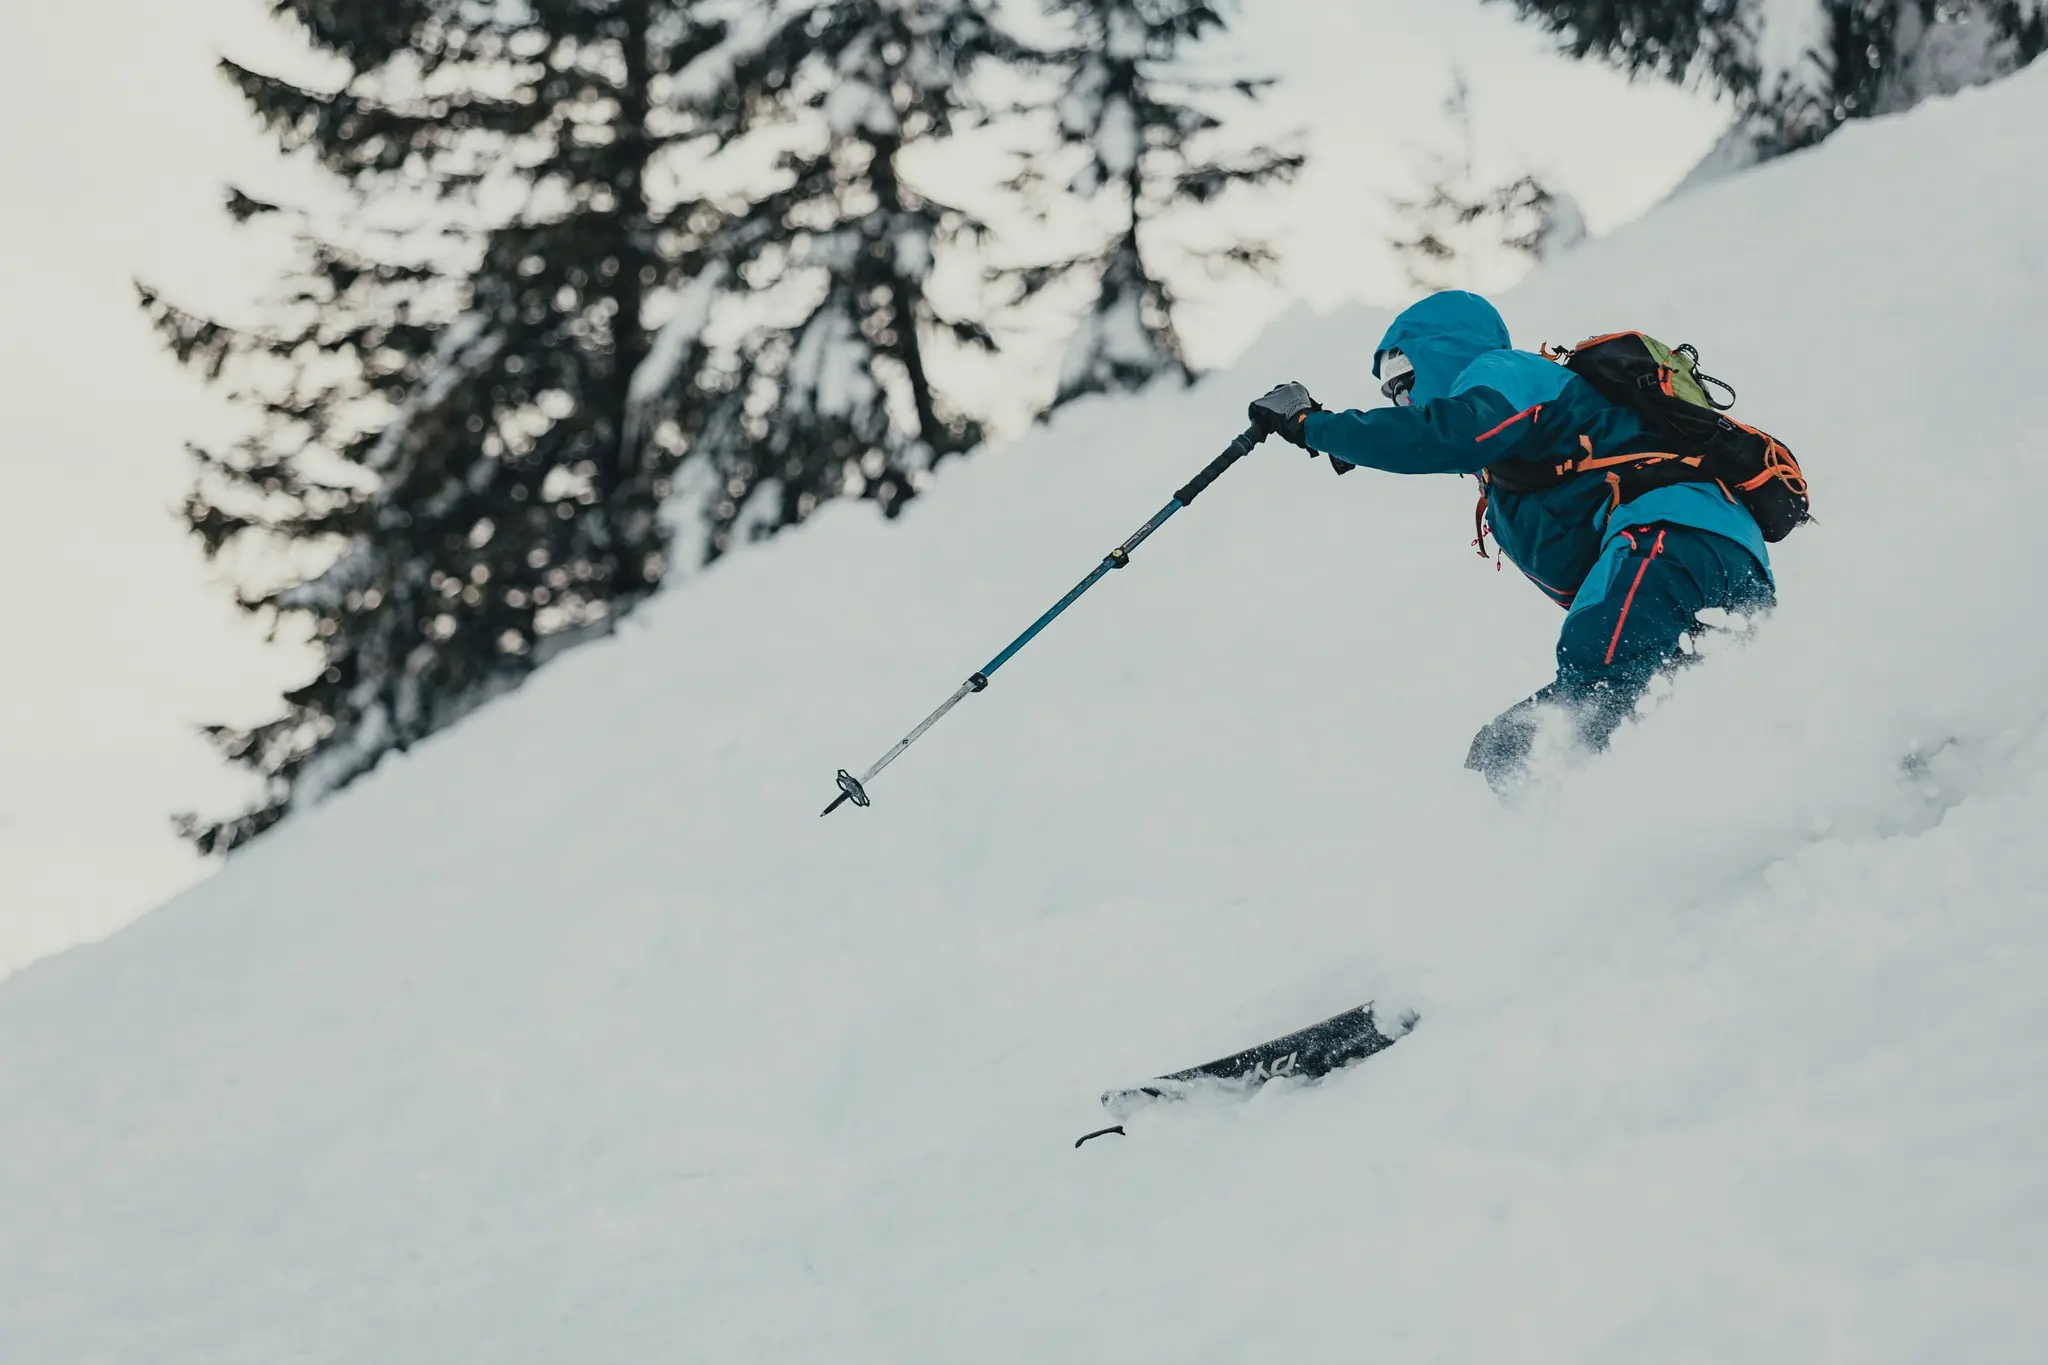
1397 379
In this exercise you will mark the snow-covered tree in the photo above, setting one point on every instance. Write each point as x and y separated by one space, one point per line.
1798 69
1466 234
462 425
840 398
1142 131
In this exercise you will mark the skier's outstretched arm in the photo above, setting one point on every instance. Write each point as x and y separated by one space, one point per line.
1461 434
1457 435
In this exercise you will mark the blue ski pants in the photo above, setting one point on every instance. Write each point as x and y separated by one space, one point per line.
1624 627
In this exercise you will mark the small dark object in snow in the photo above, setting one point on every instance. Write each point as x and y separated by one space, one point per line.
1118 1129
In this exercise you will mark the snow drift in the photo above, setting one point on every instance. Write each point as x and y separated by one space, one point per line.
577 1035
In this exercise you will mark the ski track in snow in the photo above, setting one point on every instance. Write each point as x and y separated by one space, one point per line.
576 1035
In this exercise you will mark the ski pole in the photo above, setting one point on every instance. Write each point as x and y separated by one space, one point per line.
854 789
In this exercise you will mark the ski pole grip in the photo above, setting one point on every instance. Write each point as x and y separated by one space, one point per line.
1237 450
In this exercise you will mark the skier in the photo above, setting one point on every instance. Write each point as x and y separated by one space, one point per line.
1632 575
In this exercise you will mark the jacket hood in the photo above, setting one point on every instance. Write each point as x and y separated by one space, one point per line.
1441 335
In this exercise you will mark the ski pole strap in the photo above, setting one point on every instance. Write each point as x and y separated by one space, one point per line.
1237 450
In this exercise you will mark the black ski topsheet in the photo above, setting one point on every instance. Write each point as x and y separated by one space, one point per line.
1313 1052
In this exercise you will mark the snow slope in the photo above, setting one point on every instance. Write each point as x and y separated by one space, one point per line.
578 1037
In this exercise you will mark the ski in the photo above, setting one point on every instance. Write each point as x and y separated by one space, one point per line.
1314 1052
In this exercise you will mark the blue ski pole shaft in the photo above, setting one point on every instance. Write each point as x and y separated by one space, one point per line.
854 789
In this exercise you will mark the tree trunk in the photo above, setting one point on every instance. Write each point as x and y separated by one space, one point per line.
907 297
633 216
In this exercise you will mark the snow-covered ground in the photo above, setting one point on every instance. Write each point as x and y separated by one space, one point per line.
578 1037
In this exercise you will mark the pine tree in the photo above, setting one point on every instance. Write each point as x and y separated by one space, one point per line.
1798 69
1144 129
838 386
453 401
1462 232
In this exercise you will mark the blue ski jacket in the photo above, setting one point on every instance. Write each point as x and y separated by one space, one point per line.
1477 400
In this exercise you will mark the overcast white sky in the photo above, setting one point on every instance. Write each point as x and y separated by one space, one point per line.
115 138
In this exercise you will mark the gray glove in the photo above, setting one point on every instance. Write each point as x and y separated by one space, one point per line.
1283 411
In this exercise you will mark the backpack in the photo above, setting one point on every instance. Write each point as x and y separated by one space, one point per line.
1665 387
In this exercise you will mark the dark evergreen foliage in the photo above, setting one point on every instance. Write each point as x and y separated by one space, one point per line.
474 394
839 396
1142 128
1448 233
1879 55
443 406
